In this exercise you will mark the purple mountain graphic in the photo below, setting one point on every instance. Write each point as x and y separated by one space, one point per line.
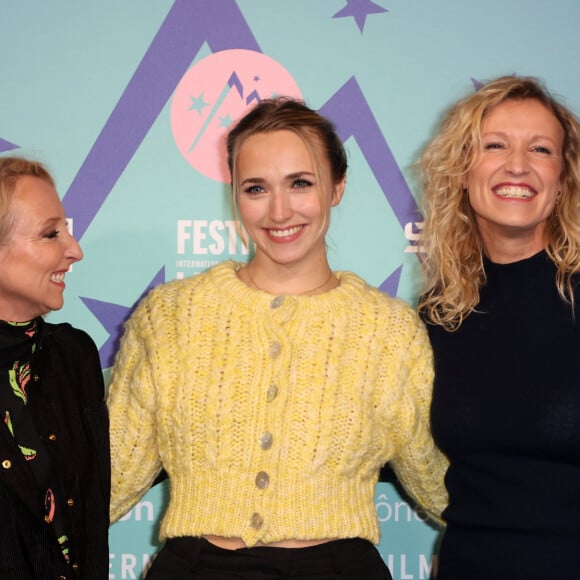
180 37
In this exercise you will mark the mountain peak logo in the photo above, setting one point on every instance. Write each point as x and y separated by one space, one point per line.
213 94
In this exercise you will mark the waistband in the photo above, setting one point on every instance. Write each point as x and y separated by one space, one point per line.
331 556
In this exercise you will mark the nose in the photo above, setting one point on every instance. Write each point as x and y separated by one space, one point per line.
73 251
280 206
517 162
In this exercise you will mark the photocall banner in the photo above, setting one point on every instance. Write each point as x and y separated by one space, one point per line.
128 102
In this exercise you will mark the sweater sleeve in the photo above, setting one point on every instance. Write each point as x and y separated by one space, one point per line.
418 463
131 400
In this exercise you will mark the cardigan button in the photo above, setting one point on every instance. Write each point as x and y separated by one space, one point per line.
6 464
70 502
36 378
75 566
262 480
266 440
277 302
256 521
47 519
275 349
271 393
52 437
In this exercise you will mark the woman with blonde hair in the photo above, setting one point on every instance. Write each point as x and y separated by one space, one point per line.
54 440
501 248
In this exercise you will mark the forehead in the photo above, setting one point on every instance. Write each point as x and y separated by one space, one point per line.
273 148
35 198
523 115
282 139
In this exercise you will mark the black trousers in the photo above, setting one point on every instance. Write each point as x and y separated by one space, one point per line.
197 559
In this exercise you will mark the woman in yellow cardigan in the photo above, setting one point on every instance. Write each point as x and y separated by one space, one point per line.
272 392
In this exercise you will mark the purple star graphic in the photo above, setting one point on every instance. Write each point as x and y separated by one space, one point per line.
359 10
391 284
7 146
113 316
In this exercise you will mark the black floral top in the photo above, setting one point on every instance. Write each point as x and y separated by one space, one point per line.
18 344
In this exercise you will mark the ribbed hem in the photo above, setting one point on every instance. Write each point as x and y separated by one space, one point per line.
292 508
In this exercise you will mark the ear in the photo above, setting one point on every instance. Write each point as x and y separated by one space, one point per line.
338 192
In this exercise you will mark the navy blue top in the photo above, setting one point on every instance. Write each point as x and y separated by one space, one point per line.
506 411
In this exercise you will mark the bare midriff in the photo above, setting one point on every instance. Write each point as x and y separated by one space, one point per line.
237 543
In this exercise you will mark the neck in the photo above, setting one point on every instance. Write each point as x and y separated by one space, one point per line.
504 247
289 282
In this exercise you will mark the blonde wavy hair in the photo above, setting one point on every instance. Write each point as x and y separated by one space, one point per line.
451 243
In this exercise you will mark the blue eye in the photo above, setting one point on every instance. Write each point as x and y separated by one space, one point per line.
493 146
301 183
51 235
254 189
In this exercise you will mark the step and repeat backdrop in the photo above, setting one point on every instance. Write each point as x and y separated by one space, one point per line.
127 102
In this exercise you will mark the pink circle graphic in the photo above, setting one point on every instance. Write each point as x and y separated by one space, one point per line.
213 94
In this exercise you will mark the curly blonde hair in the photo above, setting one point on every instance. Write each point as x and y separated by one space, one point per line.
452 245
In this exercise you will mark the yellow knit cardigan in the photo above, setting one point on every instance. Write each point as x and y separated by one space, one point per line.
271 415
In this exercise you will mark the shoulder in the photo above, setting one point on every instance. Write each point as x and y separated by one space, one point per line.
172 302
393 324
209 279
67 336
373 299
68 353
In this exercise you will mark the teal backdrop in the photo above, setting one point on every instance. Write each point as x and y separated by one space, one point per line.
128 101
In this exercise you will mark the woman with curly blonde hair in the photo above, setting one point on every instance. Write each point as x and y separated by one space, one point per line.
502 260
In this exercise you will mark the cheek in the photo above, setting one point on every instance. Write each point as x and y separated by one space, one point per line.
550 202
555 178
481 202
479 176
245 210
251 214
473 202
310 205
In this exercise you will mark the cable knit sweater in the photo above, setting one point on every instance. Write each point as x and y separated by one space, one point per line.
271 414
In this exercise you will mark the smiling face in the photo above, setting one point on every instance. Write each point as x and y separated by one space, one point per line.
283 208
515 181
36 253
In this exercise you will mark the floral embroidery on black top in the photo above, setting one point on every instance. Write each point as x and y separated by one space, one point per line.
18 343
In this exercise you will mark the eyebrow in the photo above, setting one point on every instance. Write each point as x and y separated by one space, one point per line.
289 177
51 222
505 135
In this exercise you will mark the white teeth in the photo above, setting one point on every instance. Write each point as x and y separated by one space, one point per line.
515 192
57 277
284 233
